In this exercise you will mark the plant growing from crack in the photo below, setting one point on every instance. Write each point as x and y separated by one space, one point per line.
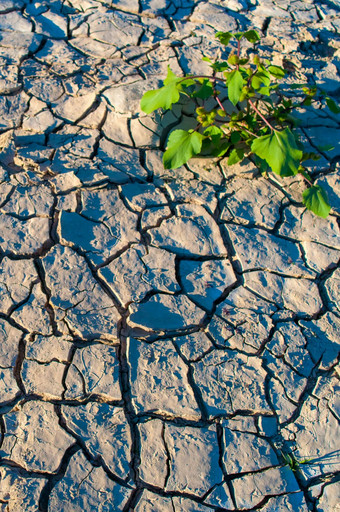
293 463
260 126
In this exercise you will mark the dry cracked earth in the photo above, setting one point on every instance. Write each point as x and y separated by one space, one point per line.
169 339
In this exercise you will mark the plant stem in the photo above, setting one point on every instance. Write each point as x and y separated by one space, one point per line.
238 125
306 179
220 104
251 76
259 114
238 53
246 129
194 77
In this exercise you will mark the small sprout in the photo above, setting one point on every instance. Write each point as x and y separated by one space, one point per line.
293 462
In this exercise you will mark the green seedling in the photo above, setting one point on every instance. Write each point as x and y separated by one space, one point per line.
293 462
260 125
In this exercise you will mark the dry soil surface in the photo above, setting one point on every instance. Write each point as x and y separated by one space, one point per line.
169 339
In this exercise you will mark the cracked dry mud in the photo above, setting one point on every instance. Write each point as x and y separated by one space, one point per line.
168 338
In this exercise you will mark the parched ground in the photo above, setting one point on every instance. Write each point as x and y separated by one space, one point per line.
169 339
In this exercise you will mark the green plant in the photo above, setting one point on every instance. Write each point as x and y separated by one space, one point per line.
259 125
293 462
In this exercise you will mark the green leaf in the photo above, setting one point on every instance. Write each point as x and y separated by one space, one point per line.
215 133
252 36
182 145
235 84
280 151
224 37
239 35
265 91
261 77
159 98
277 71
307 102
287 103
235 137
219 67
205 91
171 77
163 97
221 149
311 155
236 155
166 95
315 199
233 59
333 107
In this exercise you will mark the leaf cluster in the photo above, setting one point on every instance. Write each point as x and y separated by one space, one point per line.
240 113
